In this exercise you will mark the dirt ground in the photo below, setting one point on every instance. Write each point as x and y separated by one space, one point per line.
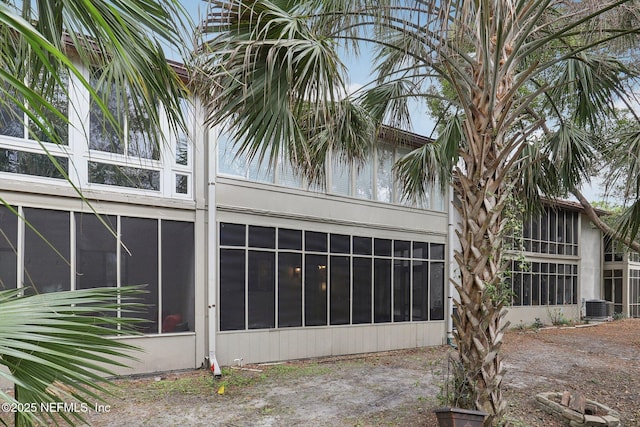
392 389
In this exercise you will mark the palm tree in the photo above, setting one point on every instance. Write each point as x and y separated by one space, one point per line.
56 346
522 87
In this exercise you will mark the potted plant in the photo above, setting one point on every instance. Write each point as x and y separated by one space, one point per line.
458 398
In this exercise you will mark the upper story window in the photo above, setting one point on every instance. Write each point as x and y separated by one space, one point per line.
15 123
555 231
373 180
615 250
124 134
111 153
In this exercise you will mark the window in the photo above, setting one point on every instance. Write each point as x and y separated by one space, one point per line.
8 248
552 232
536 283
33 160
262 289
340 178
340 286
232 289
289 289
13 119
140 265
343 178
124 176
613 288
178 280
103 260
126 136
315 290
362 290
613 250
35 164
320 279
384 181
96 251
634 293
47 269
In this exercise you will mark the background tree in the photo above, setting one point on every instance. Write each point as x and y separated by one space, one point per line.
525 84
55 346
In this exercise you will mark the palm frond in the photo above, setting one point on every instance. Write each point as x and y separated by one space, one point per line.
59 346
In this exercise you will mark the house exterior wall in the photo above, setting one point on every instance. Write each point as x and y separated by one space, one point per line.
264 205
168 207
590 261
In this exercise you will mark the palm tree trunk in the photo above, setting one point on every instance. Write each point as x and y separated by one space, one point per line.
481 189
479 326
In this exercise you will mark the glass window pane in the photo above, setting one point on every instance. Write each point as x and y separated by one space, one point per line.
232 234
340 290
289 239
262 237
8 248
535 289
420 291
103 134
11 116
260 171
141 267
178 280
139 142
262 290
362 245
46 270
382 247
35 164
96 251
421 250
315 242
364 182
315 290
552 288
229 162
289 289
384 183
361 290
437 251
124 176
340 178
57 96
340 243
232 289
182 184
544 289
401 248
517 287
526 288
382 290
436 291
401 291
286 174
182 137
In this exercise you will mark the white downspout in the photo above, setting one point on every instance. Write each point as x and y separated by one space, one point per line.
212 271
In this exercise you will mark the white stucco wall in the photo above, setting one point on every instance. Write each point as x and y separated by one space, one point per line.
590 270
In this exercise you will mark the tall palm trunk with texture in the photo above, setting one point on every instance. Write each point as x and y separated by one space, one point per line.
481 194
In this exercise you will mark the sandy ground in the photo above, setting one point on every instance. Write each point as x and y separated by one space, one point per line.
391 389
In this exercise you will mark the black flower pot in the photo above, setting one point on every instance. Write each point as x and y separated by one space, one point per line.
456 417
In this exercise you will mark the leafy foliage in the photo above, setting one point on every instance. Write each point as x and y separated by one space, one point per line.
59 347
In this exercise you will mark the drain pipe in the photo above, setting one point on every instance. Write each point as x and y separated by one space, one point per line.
211 255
